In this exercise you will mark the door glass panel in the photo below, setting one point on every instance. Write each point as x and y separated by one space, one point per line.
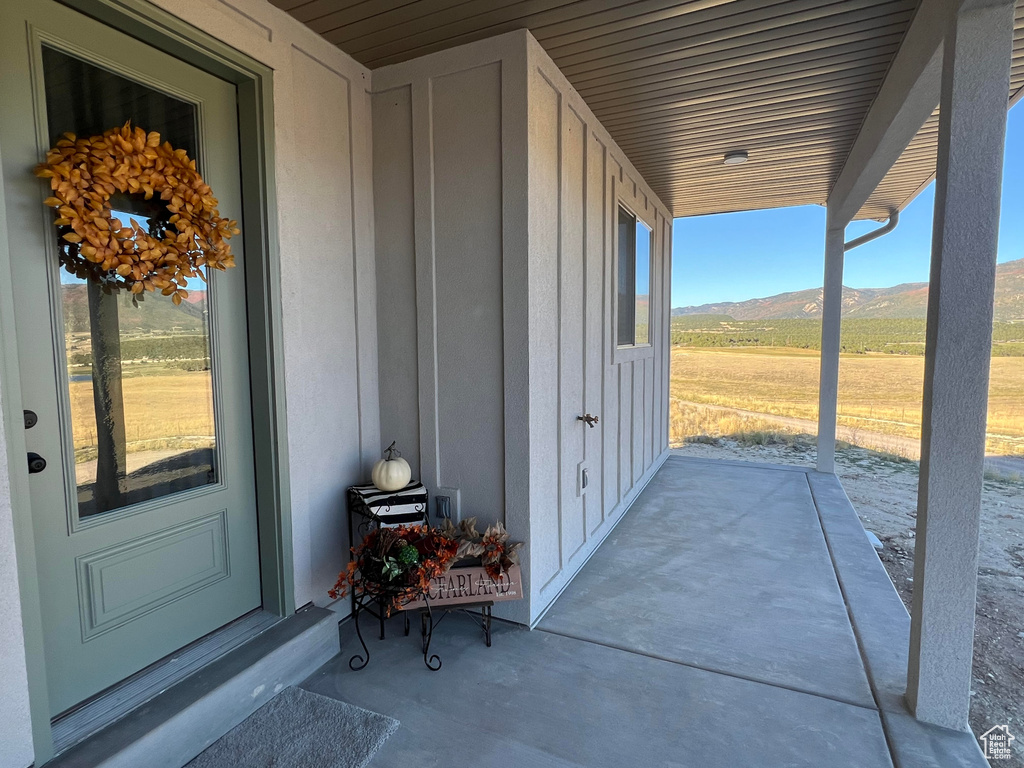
139 373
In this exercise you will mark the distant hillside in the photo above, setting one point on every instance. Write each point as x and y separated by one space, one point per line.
909 300
155 314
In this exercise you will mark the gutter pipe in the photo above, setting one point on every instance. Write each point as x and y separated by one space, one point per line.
889 226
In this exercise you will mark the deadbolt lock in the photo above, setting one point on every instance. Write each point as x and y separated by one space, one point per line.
36 463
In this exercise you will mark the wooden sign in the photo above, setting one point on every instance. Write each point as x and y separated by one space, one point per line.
472 585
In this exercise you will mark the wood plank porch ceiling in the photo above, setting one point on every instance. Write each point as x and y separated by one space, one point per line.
679 84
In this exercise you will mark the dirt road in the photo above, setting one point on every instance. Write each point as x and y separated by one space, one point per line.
85 472
908 447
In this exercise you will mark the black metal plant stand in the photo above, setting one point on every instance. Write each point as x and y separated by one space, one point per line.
375 596
370 509
368 599
482 619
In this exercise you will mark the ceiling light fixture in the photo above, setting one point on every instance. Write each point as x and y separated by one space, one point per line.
736 158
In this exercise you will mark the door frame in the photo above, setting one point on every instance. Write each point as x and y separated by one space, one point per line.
254 81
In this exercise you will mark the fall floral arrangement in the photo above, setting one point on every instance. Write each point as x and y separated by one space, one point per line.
396 565
85 173
497 554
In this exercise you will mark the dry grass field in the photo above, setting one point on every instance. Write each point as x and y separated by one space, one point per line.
165 409
879 395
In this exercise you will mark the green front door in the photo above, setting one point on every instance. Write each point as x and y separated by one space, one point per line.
144 516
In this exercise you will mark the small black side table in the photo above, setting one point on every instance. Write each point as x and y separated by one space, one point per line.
376 508
372 595
376 596
370 508
482 620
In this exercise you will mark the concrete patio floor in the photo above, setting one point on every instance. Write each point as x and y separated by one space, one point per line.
737 616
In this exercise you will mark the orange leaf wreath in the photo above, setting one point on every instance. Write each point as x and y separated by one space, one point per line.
85 173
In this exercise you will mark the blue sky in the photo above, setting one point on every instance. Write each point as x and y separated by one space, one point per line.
738 256
194 283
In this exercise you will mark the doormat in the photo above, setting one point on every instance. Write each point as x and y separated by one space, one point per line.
298 728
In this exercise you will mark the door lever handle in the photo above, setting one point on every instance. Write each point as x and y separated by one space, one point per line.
590 420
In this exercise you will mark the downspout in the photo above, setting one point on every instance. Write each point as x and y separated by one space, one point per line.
828 387
889 226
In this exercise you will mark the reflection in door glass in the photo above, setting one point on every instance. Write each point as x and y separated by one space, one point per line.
139 375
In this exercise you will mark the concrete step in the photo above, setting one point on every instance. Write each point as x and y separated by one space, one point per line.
175 726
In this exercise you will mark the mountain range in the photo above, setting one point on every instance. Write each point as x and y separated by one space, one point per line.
154 314
908 300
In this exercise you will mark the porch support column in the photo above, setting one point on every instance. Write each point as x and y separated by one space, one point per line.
972 127
831 320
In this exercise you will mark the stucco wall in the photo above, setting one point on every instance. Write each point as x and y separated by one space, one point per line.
578 177
325 226
450 206
495 193
444 158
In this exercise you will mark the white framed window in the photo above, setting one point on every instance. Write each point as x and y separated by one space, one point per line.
633 283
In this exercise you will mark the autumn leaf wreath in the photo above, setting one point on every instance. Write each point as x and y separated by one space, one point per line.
188 234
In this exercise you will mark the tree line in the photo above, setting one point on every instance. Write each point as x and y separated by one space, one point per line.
897 336
184 347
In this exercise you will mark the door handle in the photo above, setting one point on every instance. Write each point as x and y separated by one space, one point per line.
36 463
590 420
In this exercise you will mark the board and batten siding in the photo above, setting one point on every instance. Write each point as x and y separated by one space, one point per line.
443 150
495 193
577 178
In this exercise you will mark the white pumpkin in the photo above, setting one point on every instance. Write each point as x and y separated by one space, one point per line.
392 473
